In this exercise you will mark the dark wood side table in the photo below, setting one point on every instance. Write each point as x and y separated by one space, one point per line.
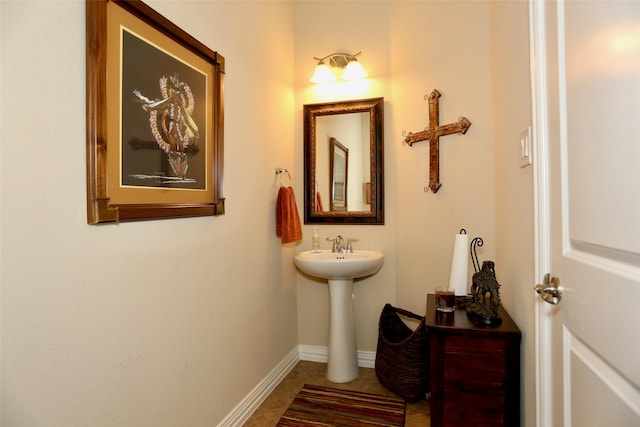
475 369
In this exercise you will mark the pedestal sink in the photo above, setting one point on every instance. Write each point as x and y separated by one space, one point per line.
340 269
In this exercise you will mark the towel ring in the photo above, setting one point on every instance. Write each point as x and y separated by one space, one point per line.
280 171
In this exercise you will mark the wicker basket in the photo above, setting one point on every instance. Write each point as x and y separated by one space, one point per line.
402 357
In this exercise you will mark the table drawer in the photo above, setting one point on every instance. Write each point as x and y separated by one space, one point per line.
473 408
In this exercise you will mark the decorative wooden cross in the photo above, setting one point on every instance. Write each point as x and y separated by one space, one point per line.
433 134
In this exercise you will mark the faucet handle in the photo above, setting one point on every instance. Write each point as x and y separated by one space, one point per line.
334 247
349 246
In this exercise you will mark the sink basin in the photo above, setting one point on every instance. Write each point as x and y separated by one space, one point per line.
333 265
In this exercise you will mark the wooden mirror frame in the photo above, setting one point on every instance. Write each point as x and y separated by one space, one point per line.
375 108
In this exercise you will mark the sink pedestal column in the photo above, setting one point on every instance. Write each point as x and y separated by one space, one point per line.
343 354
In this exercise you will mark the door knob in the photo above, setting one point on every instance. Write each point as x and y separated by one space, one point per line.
549 291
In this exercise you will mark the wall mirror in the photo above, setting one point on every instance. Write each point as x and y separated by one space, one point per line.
343 162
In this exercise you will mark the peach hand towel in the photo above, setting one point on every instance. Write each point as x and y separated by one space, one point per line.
319 207
287 220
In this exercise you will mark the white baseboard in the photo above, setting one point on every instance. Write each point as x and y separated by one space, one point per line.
243 410
366 359
313 353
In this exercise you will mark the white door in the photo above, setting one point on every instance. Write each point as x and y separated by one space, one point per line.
586 91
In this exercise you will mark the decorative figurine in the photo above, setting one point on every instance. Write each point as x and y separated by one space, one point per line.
483 309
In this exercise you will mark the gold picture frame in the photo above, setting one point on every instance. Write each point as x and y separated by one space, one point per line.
155 117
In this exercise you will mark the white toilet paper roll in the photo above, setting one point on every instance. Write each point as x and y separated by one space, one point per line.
459 278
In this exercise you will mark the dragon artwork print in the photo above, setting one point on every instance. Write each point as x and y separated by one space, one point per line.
171 122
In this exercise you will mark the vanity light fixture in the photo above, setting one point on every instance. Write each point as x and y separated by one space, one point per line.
322 74
338 61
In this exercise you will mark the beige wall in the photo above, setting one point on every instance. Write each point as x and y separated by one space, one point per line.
514 185
407 57
319 31
152 323
100 326
476 55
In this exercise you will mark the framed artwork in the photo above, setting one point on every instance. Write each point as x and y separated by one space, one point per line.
338 164
155 117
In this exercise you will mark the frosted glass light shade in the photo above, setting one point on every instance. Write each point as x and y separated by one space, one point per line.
322 74
354 71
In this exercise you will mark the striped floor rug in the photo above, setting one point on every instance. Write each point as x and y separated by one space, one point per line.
323 406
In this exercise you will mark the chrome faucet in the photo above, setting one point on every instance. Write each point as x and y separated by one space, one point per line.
339 246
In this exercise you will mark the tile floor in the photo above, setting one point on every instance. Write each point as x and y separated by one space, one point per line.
268 414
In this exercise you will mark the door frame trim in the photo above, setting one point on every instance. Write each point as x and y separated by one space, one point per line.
542 218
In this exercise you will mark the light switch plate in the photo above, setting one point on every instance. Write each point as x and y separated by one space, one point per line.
525 148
